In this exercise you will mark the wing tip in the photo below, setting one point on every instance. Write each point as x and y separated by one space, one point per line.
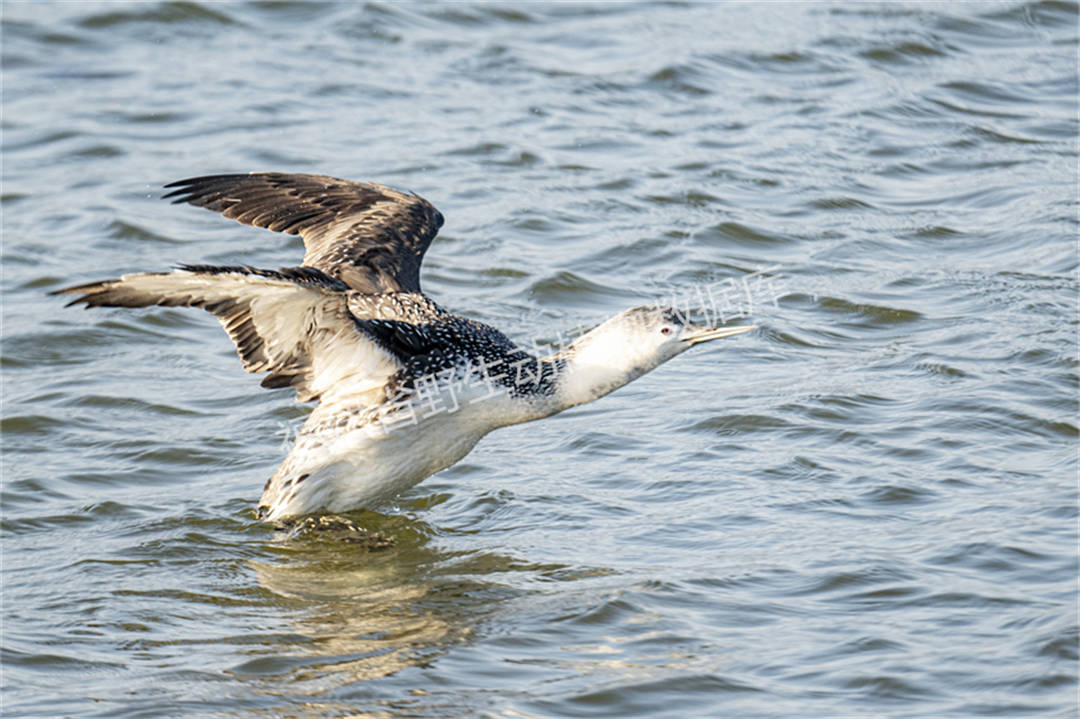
190 188
88 291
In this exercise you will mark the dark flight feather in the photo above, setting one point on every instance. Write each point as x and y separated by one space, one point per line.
369 236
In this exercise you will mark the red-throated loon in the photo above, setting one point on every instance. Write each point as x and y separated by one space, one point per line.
404 388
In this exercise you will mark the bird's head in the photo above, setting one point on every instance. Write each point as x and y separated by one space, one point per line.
630 344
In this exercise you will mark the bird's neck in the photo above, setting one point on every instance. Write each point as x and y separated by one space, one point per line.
581 379
597 364
567 382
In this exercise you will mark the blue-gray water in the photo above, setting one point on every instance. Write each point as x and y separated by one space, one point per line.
867 508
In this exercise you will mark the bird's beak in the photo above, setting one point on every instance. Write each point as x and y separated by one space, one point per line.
704 334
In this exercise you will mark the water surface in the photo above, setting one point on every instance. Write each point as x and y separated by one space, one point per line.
867 508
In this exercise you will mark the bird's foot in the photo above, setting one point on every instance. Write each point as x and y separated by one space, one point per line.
333 526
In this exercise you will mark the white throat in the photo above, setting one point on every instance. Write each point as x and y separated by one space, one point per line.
601 361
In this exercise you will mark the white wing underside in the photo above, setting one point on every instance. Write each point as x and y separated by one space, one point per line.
300 332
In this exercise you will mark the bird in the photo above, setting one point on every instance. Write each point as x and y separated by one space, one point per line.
403 388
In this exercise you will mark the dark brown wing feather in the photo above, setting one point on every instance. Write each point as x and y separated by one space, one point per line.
369 236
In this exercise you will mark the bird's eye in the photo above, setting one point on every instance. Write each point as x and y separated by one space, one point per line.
665 331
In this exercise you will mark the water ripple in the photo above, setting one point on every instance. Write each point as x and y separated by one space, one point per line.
868 507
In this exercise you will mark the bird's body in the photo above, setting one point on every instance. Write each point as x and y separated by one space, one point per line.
404 388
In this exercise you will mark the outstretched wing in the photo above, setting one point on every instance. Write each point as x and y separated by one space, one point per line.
293 323
369 236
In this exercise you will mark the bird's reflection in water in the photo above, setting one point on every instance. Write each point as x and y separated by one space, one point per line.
360 615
